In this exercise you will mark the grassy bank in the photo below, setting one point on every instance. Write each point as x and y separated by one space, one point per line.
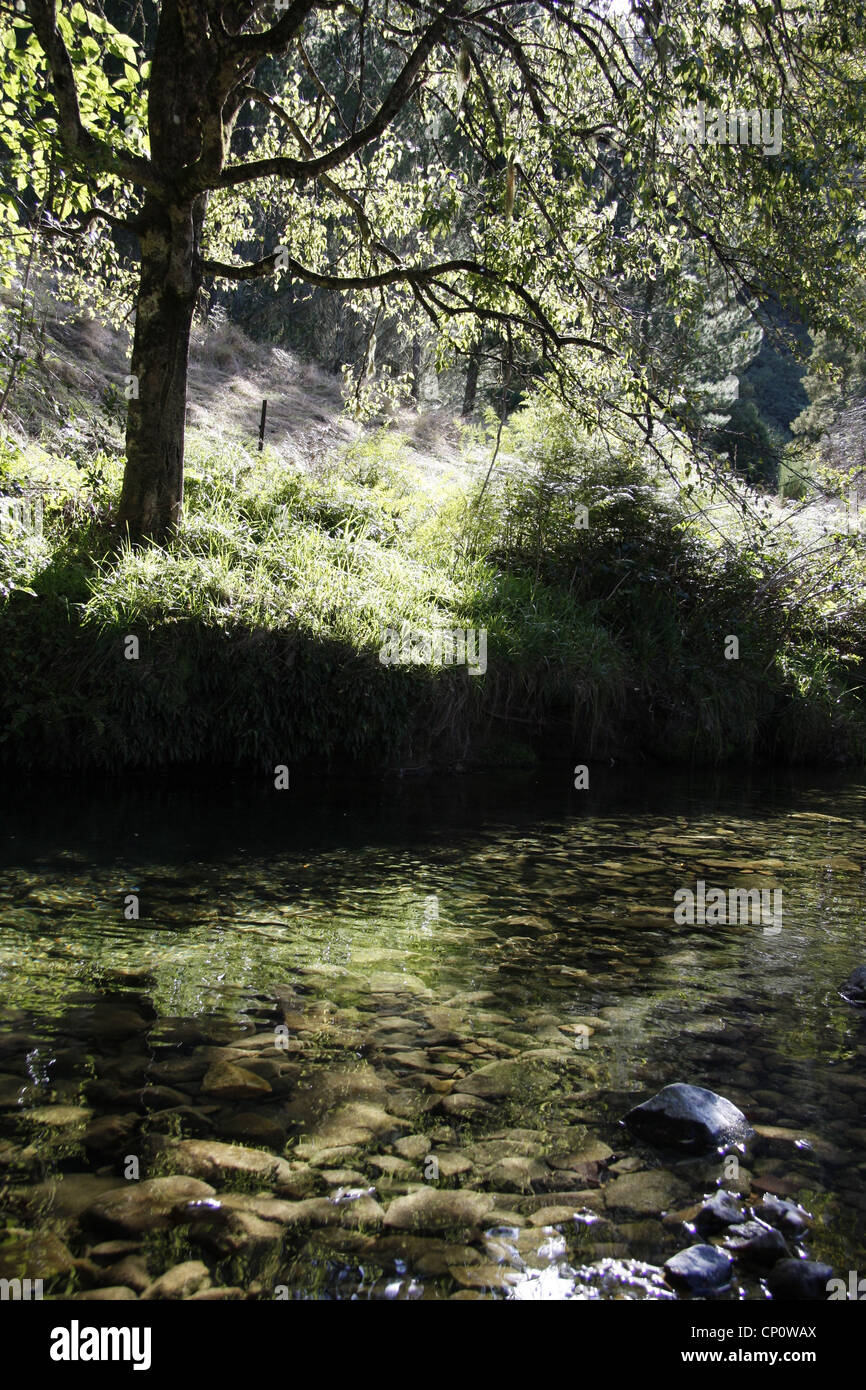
259 630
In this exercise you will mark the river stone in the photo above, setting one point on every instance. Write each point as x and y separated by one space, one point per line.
413 1146
585 1199
161 1098
434 1258
145 1206
354 1122
854 988
326 1158
778 1141
59 1116
226 1081
756 1243
700 1268
792 1219
118 1293
400 982
220 1163
15 1047
321 1211
257 1128
394 1166
461 1103
593 1151
25 1255
233 1232
131 1270
66 1196
108 1021
497 1080
112 1250
451 1163
107 1133
651 1191
799 1279
431 1210
720 1211
360 1212
553 1216
218 1295
518 1174
174 1070
484 1276
180 1282
632 1164
689 1117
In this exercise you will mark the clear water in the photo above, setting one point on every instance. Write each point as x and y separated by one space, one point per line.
411 933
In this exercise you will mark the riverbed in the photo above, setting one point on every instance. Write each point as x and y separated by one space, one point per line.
376 1040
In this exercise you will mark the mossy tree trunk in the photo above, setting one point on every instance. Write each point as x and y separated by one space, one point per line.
152 497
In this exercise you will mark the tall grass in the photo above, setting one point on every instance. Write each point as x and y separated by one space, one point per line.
260 626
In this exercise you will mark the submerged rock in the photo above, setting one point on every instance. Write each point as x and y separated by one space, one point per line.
651 1191
689 1117
518 1174
60 1116
260 1129
117 1293
700 1269
799 1279
180 1282
28 1256
222 1163
854 989
104 1020
432 1210
496 1081
226 1081
144 1206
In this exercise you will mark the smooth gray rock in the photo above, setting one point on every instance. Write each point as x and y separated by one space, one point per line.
700 1269
689 1117
720 1211
791 1219
756 1243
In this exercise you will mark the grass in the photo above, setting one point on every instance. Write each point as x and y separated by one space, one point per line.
260 626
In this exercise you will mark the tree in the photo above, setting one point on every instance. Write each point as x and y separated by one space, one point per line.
187 123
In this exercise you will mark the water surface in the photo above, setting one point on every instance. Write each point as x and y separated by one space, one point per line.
371 948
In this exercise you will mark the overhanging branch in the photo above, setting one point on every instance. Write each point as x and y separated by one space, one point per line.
399 93
416 277
79 145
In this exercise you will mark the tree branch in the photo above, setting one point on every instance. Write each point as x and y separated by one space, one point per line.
413 276
398 95
79 145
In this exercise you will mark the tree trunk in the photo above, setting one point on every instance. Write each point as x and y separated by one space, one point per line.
471 386
184 68
152 496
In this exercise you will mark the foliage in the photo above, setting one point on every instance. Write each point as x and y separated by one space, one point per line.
260 626
511 171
